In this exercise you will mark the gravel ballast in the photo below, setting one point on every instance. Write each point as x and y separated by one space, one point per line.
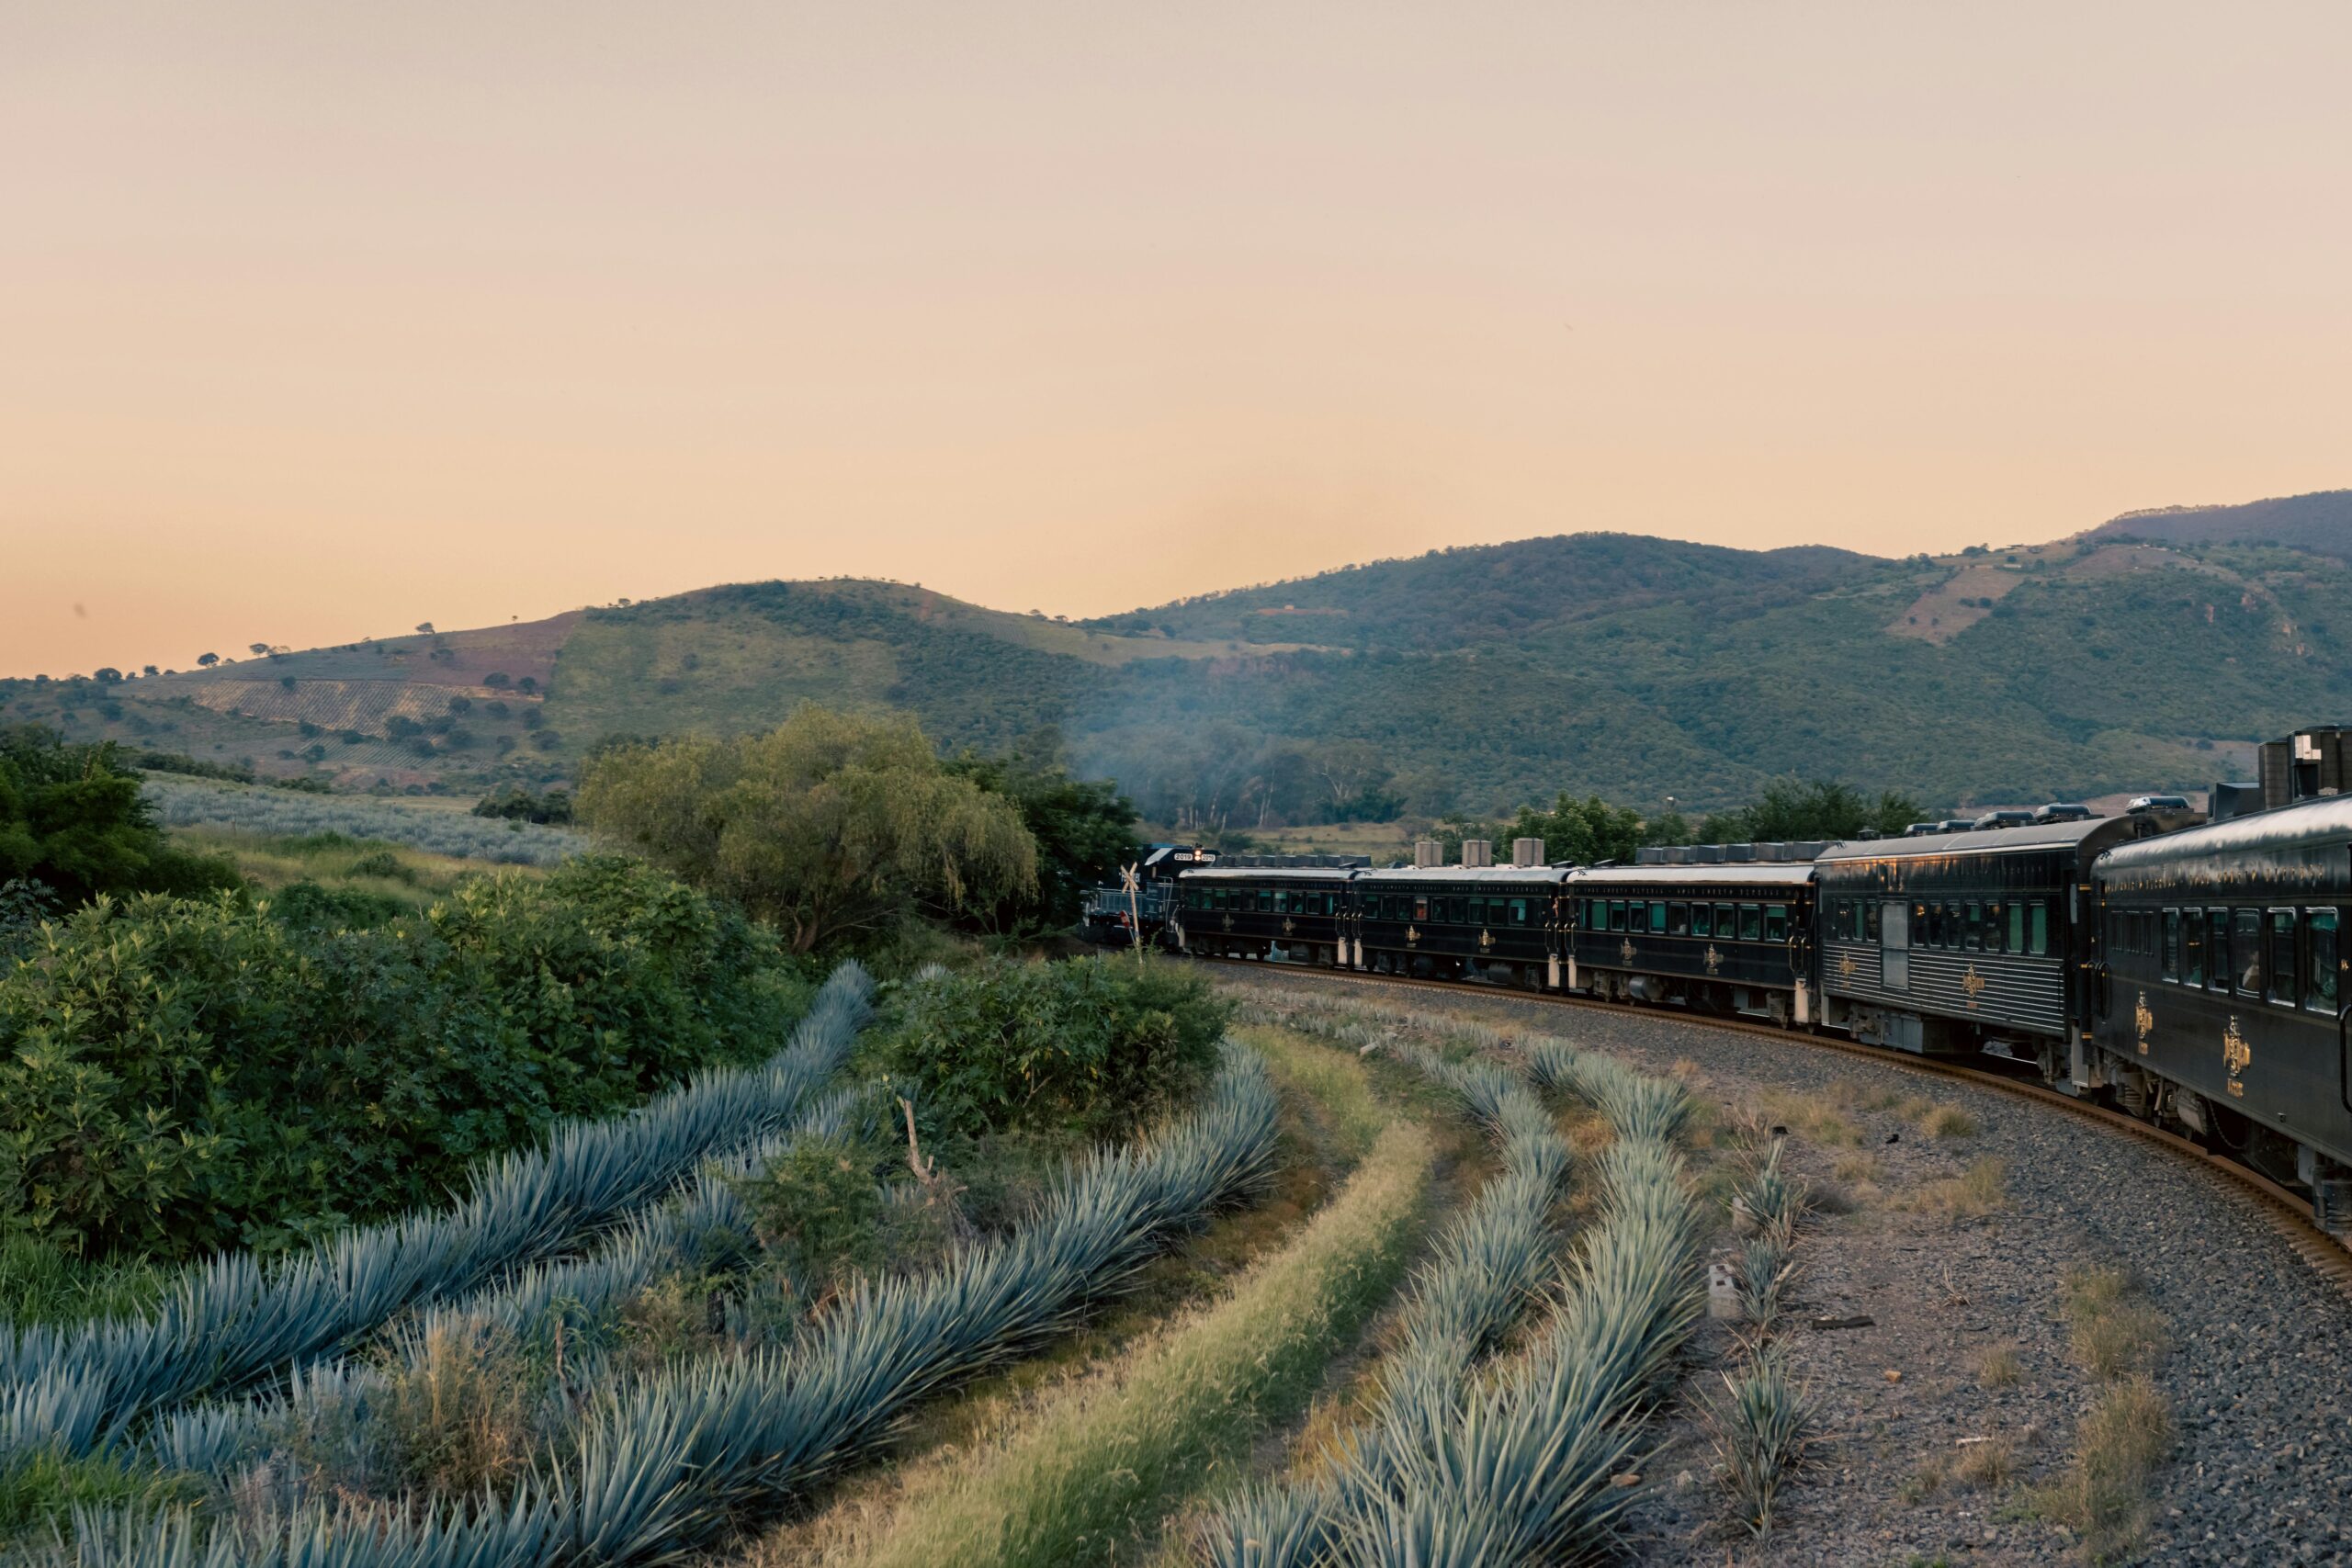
2255 1379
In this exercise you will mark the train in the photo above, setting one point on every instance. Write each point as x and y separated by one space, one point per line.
2187 970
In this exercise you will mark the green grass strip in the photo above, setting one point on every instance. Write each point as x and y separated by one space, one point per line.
1100 1464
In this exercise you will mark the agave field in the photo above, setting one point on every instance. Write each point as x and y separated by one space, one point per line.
187 803
620 1348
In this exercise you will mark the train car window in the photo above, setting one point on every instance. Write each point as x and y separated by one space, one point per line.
1658 918
2217 950
1995 923
2016 927
1974 939
1776 922
2192 948
1616 914
2281 987
1703 920
1751 922
1678 919
1519 911
1281 901
2319 935
2168 954
1421 908
2245 951
1477 912
2037 940
1726 921
1869 920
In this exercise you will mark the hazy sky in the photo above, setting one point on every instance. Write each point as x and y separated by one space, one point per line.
317 320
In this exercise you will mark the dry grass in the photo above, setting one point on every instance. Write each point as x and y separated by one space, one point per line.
1987 1466
2118 1338
1983 1189
1859 1169
2115 1332
1948 1122
2103 1497
1999 1366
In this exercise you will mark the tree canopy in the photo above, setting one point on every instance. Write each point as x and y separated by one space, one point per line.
834 825
73 820
1084 829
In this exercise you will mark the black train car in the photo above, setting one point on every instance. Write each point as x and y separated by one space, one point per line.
1493 922
2224 994
1734 937
1956 942
1295 913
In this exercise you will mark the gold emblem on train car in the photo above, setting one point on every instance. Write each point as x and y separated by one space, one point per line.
1486 938
1973 983
2144 1022
1714 959
1287 926
1625 950
1846 966
1229 922
2235 1055
1412 933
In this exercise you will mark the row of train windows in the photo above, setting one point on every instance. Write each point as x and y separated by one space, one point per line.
1962 925
2288 956
1450 909
1740 922
1265 900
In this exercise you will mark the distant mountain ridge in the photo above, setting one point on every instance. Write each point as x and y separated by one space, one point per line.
2138 656
2320 523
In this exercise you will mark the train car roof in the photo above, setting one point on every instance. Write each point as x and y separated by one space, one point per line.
1410 875
1726 873
1991 841
2318 821
1270 872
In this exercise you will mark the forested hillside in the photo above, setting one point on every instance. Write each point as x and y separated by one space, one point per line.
2320 523
1475 678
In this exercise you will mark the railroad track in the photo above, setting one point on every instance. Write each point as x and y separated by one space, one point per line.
2290 1214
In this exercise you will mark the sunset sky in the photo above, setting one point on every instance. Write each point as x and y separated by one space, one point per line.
317 320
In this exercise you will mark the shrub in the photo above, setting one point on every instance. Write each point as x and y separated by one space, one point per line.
73 817
1091 1043
178 1076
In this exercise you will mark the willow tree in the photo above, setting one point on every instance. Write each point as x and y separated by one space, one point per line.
834 825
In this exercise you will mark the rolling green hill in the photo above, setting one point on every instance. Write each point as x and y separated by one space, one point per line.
1635 668
2320 523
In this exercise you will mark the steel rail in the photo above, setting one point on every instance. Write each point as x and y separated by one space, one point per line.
2289 1212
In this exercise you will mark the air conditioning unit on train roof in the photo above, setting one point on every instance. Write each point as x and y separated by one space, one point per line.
1706 854
1649 855
1739 853
1427 853
1526 852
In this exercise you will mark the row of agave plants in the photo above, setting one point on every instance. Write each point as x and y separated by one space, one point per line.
236 1319
655 1465
1490 1264
533 1306
1517 1468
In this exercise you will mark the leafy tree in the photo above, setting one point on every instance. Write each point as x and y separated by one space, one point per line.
149 669
425 627
107 675
1584 830
207 660
460 703
497 681
1821 808
527 683
257 649
1084 829
834 826
71 817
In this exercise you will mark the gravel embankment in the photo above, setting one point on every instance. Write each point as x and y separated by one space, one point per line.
2262 1470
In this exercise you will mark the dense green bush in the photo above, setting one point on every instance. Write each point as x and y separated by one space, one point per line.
1094 1044
179 1075
73 818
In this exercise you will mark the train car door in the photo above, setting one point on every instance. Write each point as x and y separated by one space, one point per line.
1894 944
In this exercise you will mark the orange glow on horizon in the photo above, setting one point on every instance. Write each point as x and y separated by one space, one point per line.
316 323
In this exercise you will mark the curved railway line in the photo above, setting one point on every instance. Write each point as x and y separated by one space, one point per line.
2289 1211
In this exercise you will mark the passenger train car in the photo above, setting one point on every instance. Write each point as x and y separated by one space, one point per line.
2195 976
